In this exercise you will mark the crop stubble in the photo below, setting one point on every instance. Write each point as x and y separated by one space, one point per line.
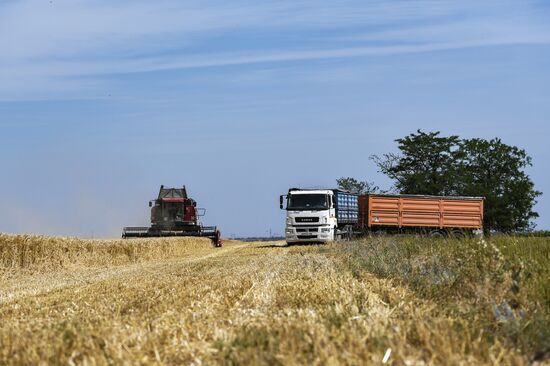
257 303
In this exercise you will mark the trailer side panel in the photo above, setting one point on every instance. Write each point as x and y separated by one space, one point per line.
420 211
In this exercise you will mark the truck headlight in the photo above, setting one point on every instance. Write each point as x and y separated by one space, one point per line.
289 220
325 230
325 219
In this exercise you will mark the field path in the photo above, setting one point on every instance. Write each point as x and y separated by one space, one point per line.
256 303
41 283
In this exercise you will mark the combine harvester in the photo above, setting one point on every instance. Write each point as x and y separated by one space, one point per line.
174 214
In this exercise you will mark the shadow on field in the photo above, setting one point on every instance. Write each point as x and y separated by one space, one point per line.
306 245
302 245
272 246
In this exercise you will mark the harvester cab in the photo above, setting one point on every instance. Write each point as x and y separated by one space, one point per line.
173 213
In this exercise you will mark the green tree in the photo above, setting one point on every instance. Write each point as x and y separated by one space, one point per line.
494 170
426 164
355 186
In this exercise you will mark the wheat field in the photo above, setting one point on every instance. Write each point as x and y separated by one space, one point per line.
180 301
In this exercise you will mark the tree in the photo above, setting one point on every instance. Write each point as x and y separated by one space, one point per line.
494 170
355 186
426 164
435 165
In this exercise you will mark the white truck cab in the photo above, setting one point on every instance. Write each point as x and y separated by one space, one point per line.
310 215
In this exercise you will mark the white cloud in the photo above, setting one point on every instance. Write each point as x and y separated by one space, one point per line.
44 46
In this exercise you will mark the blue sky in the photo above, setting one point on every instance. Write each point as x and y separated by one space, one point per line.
101 101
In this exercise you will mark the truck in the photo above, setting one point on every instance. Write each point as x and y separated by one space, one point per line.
319 215
322 215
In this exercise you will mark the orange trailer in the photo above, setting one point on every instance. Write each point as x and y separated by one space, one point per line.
377 211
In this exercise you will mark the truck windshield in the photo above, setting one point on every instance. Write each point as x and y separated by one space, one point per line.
307 202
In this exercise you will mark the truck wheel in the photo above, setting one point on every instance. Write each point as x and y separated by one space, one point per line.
337 235
350 233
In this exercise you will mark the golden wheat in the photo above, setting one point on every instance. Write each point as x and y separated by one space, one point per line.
255 303
42 253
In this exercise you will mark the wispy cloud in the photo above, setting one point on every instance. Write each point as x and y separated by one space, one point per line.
46 45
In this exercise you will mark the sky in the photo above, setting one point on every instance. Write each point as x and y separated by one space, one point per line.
101 102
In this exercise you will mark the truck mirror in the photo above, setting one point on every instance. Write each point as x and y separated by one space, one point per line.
281 202
150 204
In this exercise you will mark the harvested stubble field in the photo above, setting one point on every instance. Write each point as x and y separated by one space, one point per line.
180 301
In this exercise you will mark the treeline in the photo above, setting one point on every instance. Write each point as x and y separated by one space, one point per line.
431 164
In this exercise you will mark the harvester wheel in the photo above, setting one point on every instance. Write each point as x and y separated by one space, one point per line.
218 239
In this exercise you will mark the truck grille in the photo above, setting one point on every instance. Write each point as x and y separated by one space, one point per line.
307 219
306 230
307 236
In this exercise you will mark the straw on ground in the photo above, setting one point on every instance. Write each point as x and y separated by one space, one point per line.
180 301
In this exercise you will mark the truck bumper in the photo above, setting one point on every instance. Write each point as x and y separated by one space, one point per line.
320 234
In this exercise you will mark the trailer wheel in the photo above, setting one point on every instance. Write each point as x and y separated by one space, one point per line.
458 234
438 234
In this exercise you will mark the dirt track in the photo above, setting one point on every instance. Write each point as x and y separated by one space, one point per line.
46 282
